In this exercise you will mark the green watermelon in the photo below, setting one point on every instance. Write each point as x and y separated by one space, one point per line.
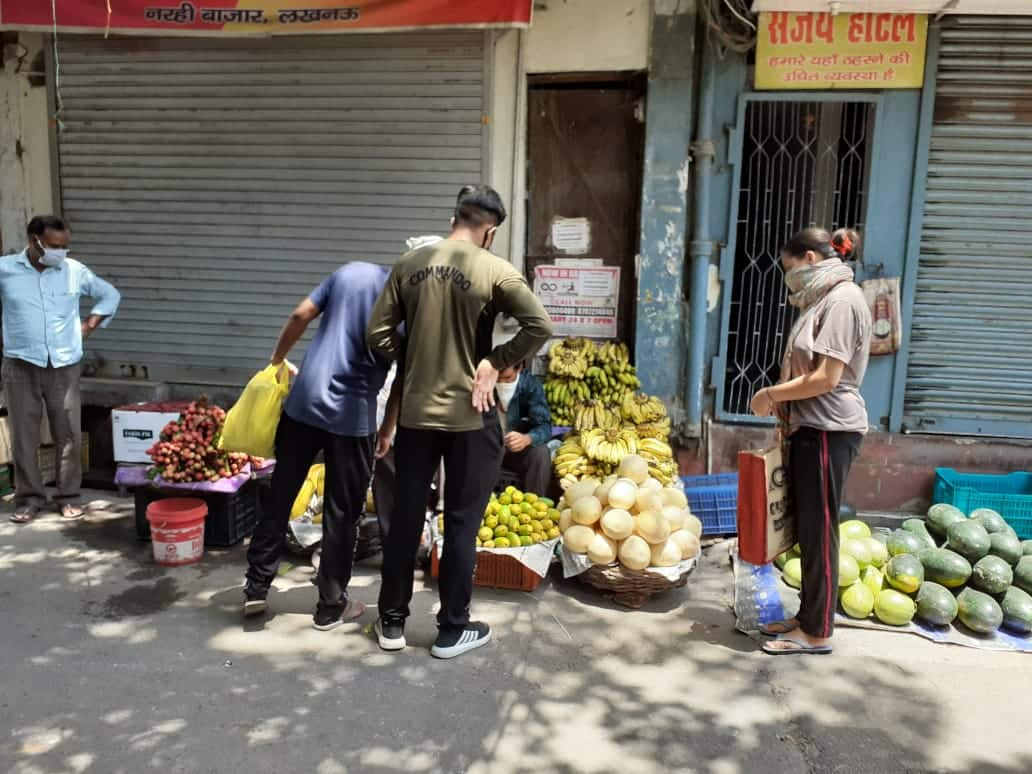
991 520
936 605
1017 611
905 573
1026 547
1023 574
968 539
882 536
894 608
979 612
940 517
1005 546
945 567
918 527
903 542
992 575
857 601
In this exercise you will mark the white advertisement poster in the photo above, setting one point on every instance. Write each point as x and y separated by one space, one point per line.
582 301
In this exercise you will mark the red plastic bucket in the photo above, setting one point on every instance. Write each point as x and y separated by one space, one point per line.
177 530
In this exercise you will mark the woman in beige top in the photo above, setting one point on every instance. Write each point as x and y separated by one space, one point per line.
821 410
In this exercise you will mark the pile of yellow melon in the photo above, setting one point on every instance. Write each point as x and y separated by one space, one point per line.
630 518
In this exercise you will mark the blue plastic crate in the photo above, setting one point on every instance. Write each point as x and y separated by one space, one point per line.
1009 495
714 499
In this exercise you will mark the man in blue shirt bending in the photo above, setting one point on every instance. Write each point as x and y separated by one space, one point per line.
40 289
331 408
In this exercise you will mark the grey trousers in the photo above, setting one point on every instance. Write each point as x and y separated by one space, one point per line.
30 390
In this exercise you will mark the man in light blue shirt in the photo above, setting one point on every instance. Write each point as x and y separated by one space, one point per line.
40 289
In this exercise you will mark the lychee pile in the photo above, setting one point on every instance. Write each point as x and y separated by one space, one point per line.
188 449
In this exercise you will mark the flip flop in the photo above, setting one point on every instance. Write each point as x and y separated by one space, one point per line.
72 513
24 516
800 647
777 628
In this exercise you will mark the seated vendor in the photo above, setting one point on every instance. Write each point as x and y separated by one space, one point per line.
527 428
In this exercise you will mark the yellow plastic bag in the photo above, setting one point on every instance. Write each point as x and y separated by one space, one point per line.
251 424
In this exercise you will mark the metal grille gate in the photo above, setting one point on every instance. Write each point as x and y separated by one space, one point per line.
800 163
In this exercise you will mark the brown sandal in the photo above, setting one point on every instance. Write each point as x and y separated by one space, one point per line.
72 513
24 515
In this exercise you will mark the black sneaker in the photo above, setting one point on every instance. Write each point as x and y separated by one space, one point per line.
454 643
326 619
254 602
390 635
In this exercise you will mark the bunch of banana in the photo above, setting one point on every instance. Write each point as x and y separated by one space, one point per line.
595 415
609 445
563 395
613 352
610 386
639 408
571 357
653 448
659 430
664 472
571 462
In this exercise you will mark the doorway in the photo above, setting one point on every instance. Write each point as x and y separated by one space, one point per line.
799 163
586 141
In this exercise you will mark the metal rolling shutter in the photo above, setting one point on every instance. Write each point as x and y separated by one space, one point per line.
216 182
970 366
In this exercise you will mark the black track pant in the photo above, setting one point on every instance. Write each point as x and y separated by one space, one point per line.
472 461
819 463
349 466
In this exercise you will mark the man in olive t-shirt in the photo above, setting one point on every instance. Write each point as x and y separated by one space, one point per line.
448 295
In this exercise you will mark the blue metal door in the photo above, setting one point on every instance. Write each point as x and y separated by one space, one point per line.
801 162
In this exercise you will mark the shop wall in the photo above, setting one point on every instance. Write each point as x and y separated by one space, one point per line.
26 185
663 341
589 35
894 472
567 36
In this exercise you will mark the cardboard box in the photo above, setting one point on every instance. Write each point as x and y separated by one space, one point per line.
6 444
137 427
47 459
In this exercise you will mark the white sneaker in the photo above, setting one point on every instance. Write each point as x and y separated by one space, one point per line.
452 644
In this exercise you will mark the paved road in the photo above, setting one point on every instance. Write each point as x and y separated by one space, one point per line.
112 664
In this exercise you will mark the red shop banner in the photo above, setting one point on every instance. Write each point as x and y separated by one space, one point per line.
259 17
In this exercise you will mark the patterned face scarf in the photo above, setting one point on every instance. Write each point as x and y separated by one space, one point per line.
808 284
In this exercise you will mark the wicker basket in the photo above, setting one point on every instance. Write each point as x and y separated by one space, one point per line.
630 588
